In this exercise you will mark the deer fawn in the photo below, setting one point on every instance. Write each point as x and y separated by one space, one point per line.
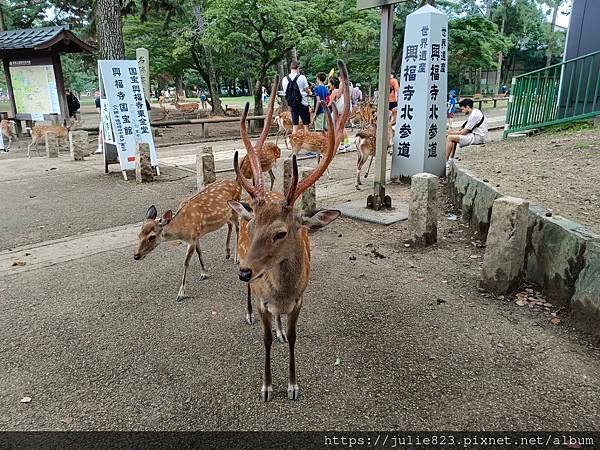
38 133
7 131
268 156
277 261
312 141
200 214
365 144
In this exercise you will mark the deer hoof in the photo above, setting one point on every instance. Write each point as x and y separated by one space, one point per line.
203 276
293 392
228 256
266 393
179 298
282 338
250 319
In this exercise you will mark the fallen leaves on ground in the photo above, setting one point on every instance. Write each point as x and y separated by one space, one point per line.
338 361
26 400
18 263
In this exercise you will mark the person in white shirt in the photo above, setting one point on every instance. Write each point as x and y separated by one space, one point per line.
295 87
473 132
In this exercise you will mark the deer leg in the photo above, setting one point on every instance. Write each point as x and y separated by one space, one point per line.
203 274
266 391
281 337
188 256
293 390
249 315
227 244
272 175
369 168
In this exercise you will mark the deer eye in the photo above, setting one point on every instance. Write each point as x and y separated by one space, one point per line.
280 235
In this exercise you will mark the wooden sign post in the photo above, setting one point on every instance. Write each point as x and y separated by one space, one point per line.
378 199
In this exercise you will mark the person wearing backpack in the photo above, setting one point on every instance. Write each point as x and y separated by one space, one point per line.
295 87
72 105
473 132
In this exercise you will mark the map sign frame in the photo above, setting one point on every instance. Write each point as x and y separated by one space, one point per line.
34 86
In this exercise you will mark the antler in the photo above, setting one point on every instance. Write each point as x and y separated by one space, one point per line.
334 136
258 191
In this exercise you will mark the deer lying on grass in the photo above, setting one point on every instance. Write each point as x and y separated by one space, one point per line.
7 131
268 156
38 134
277 261
365 144
203 213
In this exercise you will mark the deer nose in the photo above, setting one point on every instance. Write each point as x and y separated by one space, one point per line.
245 274
136 257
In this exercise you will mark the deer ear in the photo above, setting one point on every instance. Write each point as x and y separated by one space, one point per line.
167 217
240 210
321 219
151 213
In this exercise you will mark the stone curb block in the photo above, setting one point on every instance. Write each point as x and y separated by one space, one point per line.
562 256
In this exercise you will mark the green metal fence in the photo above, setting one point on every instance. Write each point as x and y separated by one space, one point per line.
556 94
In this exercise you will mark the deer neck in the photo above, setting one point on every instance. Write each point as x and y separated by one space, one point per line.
286 279
176 229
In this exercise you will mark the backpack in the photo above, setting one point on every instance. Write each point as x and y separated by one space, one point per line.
293 97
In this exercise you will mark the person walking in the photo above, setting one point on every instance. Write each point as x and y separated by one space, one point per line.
451 107
321 94
73 105
295 86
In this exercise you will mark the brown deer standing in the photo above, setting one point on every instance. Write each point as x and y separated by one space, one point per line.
277 261
38 134
268 156
7 131
187 108
365 144
203 213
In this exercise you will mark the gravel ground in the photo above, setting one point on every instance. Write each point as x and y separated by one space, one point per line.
99 344
557 170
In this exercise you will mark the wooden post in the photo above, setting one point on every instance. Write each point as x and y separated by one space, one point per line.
78 141
60 87
309 196
205 168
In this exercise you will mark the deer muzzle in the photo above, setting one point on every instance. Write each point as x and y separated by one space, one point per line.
245 274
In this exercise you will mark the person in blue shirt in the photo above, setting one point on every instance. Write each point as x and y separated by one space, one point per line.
320 92
451 106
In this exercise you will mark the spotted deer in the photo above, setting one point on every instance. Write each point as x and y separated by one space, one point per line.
38 134
276 262
203 213
7 131
268 156
365 146
283 119
312 141
187 108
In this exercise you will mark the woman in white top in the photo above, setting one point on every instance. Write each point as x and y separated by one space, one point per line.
337 98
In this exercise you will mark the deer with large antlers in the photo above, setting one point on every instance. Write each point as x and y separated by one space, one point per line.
276 262
198 215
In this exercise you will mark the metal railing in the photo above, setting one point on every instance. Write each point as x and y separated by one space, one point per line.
556 94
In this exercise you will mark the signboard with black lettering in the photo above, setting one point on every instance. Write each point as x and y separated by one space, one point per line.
122 87
420 134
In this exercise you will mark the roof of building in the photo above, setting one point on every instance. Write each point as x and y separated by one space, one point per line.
49 39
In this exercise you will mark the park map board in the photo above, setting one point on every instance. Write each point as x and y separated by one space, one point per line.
34 89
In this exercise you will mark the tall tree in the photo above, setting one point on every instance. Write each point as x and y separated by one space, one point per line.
109 29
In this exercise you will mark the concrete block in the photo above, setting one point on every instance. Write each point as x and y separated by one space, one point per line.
78 141
555 249
505 246
422 213
309 196
143 167
205 168
51 145
586 299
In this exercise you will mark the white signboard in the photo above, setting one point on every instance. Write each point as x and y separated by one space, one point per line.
37 117
420 135
106 122
124 92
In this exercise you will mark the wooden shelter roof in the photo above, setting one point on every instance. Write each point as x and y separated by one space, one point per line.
47 39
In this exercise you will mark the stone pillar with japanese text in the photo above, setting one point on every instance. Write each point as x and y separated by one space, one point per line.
420 134
143 58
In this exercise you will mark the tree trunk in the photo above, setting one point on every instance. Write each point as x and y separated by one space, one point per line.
217 107
179 85
258 106
250 87
109 29
552 29
500 55
2 24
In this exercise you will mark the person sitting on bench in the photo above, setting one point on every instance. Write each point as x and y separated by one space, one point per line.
473 131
